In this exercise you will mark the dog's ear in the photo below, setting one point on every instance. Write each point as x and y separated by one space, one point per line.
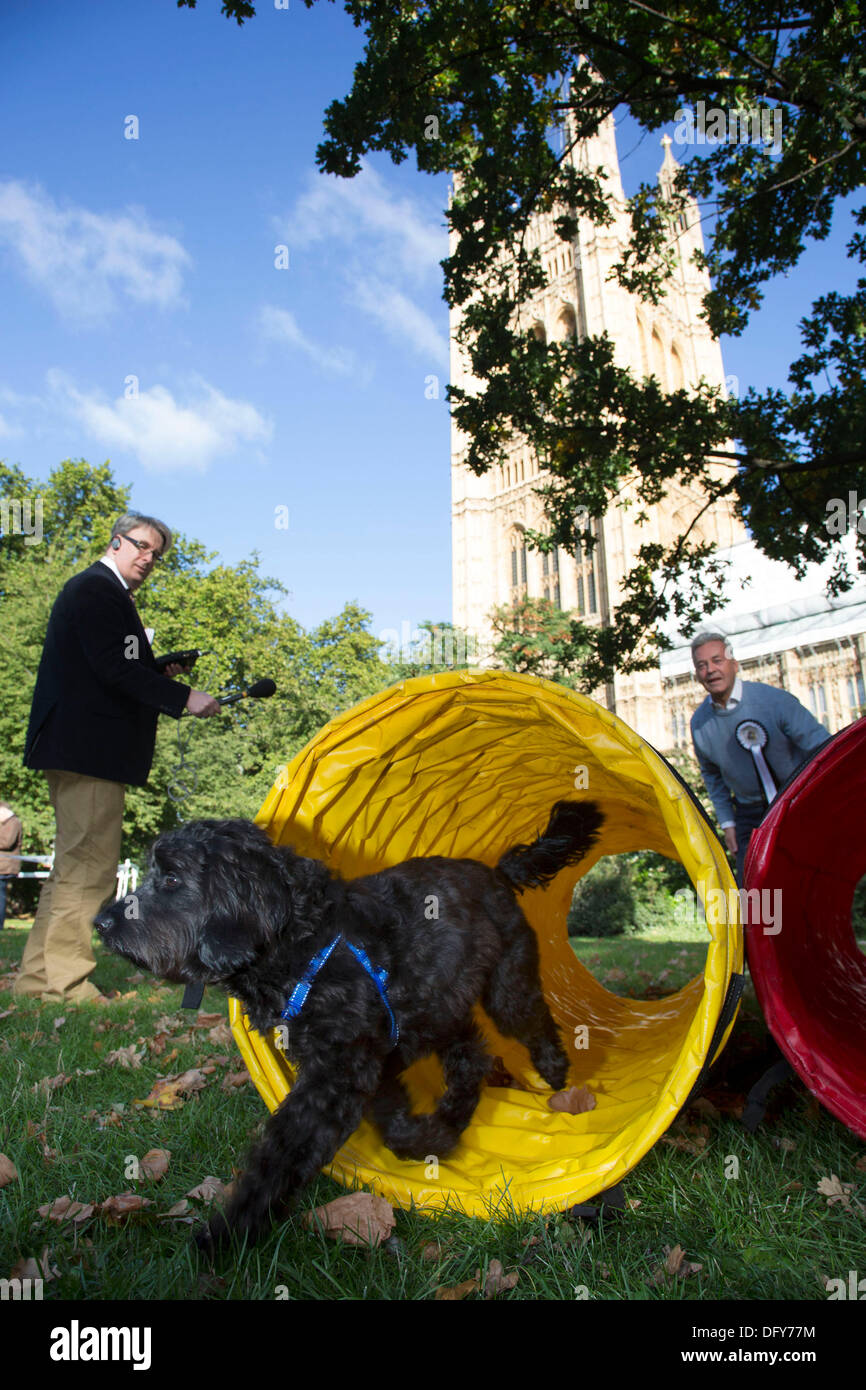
226 946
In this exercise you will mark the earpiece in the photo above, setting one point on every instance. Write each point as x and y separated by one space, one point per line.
115 544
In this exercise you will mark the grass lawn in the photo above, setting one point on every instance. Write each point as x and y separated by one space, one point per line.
72 1129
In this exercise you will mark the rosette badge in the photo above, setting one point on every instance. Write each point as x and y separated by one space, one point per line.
752 736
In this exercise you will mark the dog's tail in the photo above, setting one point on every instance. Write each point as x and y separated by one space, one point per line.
571 833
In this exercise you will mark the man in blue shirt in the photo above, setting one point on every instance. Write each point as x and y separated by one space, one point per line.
748 739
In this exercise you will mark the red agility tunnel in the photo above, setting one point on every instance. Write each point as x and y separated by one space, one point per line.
809 974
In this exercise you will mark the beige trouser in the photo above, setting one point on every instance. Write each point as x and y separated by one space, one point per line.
58 956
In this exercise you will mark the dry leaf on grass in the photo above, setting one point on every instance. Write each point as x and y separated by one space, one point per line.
676 1266
127 1057
221 1034
235 1079
169 1023
207 1020
167 1092
208 1189
836 1191
191 1081
154 1165
179 1212
497 1281
64 1209
163 1096
446 1294
575 1101
117 1209
8 1171
359 1218
681 1141
50 1083
436 1250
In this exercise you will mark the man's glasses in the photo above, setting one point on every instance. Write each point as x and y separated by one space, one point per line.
142 547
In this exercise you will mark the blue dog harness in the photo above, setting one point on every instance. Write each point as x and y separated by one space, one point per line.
298 997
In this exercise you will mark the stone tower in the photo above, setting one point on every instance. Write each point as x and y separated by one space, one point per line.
491 563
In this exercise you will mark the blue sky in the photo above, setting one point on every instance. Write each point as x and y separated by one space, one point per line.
144 318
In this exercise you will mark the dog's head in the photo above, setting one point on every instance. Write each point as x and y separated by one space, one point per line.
216 895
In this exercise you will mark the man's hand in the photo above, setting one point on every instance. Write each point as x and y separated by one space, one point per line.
175 669
731 839
201 704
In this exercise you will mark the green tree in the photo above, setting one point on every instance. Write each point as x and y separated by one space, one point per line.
539 639
476 87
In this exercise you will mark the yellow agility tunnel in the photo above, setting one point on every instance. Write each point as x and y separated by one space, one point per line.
467 764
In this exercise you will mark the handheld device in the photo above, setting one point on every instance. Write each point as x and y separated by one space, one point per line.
185 659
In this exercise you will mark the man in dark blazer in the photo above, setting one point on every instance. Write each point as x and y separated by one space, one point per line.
92 730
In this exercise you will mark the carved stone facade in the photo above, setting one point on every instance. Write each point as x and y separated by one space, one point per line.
490 514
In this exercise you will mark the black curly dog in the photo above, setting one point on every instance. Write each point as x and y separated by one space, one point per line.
224 906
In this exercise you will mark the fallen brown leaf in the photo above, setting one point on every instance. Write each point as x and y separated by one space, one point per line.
208 1189
191 1081
179 1212
234 1079
445 1294
163 1096
207 1020
154 1165
436 1250
575 1101
497 1281
676 1266
359 1218
50 1083
127 1057
8 1171
65 1209
117 1209
835 1191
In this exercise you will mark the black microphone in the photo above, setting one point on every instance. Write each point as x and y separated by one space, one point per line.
259 690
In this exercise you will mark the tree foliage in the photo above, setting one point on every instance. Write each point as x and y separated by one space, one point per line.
495 77
538 639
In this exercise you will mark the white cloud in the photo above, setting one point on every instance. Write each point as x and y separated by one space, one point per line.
160 431
281 326
88 262
395 246
401 317
397 229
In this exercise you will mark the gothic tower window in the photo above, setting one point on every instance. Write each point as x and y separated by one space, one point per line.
518 564
678 376
566 323
587 577
658 359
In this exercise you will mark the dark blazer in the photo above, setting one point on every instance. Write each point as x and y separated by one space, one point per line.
98 696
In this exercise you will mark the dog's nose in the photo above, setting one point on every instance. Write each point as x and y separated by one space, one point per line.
102 923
